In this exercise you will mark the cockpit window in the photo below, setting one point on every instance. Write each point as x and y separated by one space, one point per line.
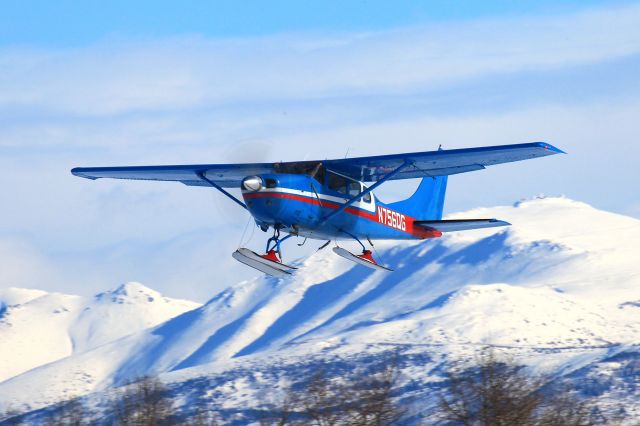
313 169
354 188
347 186
337 183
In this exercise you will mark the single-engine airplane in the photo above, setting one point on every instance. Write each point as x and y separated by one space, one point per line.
328 200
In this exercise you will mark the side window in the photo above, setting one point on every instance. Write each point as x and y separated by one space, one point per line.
367 197
337 183
318 173
354 188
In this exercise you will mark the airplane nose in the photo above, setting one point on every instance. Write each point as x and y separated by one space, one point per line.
280 200
268 209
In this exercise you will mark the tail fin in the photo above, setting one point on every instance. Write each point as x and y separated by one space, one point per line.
427 202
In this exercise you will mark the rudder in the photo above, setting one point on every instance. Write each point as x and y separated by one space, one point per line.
427 203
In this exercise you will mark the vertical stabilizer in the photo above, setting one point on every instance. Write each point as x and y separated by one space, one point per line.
427 202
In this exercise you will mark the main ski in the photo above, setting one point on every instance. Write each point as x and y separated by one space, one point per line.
359 259
262 264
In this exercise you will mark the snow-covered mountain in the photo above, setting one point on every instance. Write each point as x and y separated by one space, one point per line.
560 289
37 327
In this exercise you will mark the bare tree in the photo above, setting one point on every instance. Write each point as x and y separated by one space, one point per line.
321 401
370 397
142 403
281 413
561 407
360 399
202 418
501 393
68 413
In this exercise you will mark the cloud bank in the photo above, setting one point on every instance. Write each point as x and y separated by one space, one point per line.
570 79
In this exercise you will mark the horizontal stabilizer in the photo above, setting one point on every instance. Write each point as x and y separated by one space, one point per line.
459 224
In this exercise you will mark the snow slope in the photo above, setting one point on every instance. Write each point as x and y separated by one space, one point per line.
37 327
561 288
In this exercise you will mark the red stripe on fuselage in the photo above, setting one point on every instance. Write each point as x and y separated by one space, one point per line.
418 231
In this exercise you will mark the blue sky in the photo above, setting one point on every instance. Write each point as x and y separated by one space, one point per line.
76 23
85 84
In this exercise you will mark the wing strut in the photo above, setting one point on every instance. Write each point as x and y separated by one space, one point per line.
202 176
355 198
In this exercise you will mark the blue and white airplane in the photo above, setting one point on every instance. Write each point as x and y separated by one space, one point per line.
328 200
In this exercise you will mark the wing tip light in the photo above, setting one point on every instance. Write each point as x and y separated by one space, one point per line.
551 148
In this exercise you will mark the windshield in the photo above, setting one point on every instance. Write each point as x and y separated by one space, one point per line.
315 170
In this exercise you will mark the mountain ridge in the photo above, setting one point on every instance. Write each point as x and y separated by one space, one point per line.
558 288
39 327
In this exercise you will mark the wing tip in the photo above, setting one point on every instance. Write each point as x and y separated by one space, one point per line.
550 147
79 171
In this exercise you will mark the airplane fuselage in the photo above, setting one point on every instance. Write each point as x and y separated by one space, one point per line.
327 199
299 204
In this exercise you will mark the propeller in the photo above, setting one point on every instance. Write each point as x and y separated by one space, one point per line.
245 151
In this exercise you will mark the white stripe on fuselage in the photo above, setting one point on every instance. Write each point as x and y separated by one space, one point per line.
371 207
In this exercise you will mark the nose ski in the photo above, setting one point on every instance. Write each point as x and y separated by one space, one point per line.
268 263
365 259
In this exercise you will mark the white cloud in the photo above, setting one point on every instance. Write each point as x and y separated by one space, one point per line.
570 79
194 265
117 77
21 265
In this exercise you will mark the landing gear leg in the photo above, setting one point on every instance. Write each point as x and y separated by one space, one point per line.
274 253
324 245
366 258
269 263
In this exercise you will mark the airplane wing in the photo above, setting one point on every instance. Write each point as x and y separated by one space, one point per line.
438 163
225 175
367 169
459 224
